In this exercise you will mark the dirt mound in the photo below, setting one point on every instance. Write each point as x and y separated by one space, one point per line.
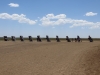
92 61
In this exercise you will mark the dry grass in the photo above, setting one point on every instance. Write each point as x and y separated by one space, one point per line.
49 58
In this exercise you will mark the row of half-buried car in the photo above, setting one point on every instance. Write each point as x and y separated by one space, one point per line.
78 39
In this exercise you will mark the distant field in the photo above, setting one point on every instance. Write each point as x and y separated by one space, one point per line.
34 38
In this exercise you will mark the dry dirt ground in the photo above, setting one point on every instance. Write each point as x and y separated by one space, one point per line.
49 58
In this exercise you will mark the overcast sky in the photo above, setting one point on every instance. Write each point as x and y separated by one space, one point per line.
50 17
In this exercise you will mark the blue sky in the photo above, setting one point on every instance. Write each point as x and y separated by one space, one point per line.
50 17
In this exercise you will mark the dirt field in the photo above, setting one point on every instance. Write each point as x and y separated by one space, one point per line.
49 58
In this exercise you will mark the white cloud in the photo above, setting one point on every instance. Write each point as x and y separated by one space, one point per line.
20 18
56 20
90 14
13 5
52 20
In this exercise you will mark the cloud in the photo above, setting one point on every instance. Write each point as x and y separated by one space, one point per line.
61 19
20 18
13 5
50 19
90 14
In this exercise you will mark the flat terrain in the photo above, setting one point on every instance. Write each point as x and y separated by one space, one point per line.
49 58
